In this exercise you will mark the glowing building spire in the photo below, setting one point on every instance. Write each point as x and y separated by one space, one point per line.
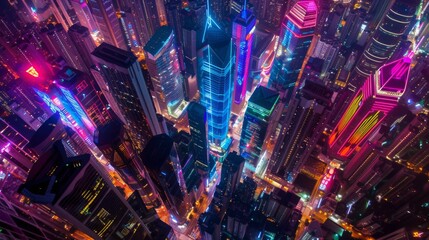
378 96
209 22
243 28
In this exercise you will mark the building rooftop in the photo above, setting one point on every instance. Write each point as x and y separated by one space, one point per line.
158 40
304 14
45 130
52 173
114 55
108 133
393 77
157 151
264 97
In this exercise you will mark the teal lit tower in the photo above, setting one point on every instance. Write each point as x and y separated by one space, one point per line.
215 61
295 38
257 126
243 28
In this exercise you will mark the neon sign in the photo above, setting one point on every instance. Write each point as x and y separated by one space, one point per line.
32 71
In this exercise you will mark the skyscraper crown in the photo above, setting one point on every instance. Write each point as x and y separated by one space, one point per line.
393 77
304 14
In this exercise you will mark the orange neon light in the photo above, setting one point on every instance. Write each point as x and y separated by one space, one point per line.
32 72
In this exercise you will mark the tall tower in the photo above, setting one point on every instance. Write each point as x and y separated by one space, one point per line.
161 160
242 32
370 105
104 14
84 15
301 129
257 125
84 43
197 116
82 92
295 38
164 69
123 75
116 145
76 187
387 36
59 43
215 63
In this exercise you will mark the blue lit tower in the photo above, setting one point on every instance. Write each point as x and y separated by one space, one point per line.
243 27
164 69
215 61
387 37
295 38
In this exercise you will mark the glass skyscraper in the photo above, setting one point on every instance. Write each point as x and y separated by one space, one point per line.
123 75
243 28
215 83
256 125
164 68
295 38
370 105
387 36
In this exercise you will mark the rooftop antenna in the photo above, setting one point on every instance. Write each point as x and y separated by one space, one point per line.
243 14
210 21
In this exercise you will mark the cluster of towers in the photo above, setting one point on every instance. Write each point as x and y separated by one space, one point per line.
116 115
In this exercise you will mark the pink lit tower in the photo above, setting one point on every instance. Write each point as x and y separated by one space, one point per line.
243 28
295 38
370 105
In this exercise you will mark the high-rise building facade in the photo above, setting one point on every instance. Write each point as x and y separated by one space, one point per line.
161 160
295 38
77 189
197 116
82 92
108 24
116 146
386 37
164 68
123 75
257 125
301 129
60 44
82 39
215 62
370 105
243 28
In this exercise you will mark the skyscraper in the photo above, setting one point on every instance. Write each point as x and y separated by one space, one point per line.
84 43
301 129
77 189
295 38
258 125
215 63
59 43
410 145
116 145
82 92
84 15
161 160
197 116
370 105
164 68
104 14
122 74
243 28
386 37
